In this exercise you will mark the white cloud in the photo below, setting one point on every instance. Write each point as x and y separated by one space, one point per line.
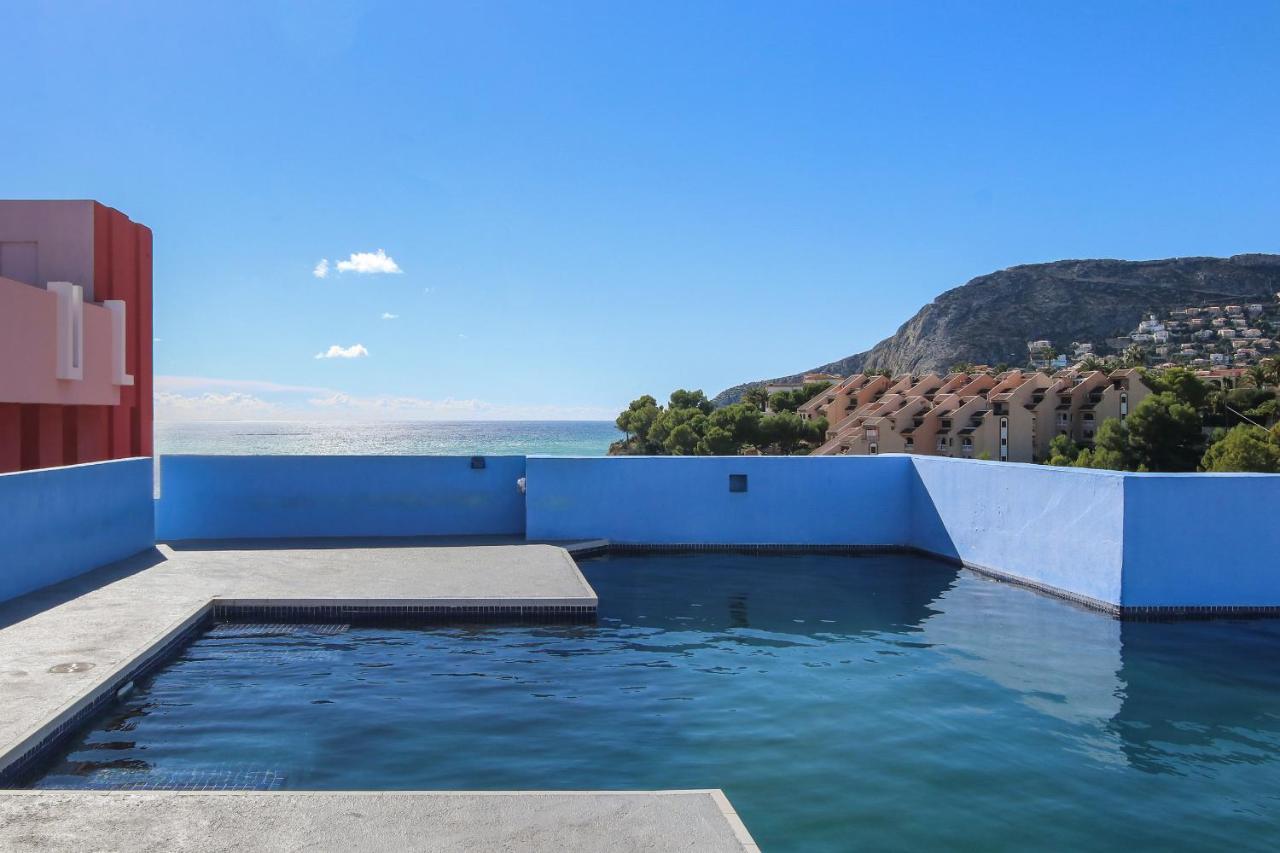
387 315
322 269
367 263
184 383
211 406
347 406
194 398
353 351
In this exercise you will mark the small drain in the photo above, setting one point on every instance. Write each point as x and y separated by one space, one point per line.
78 666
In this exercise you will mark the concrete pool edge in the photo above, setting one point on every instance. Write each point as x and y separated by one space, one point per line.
699 819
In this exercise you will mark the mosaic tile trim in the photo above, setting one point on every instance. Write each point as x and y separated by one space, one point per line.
593 551
228 778
428 614
1191 612
237 630
23 768
768 548
1084 601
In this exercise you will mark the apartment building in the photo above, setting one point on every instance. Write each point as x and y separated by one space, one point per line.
75 334
1012 416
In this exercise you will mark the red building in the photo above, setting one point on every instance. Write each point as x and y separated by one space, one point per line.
75 334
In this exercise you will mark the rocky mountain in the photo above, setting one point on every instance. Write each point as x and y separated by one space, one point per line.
990 319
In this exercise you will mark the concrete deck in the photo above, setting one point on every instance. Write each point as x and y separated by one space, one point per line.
163 821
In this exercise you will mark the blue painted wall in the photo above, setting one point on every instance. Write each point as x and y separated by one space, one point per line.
1202 539
1055 526
212 497
1132 539
57 523
663 500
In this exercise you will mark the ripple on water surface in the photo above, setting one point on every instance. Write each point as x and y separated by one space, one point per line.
877 702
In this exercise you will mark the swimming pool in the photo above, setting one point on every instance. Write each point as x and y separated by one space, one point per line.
882 702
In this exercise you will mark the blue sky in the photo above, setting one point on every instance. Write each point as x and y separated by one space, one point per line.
590 201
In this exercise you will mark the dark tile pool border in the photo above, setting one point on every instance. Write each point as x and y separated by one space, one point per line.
780 548
425 614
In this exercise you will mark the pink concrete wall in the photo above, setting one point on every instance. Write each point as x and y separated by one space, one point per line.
28 339
63 234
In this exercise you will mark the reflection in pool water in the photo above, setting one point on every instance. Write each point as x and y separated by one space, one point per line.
877 702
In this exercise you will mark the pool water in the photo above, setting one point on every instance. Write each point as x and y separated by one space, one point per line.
872 702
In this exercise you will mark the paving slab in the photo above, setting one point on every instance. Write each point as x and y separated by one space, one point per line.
222 822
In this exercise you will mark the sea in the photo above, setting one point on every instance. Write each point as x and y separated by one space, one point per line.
433 438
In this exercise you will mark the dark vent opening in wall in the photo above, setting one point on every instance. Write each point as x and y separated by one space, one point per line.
477 461
737 482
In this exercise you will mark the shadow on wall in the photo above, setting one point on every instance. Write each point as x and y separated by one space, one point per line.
56 523
928 531
28 605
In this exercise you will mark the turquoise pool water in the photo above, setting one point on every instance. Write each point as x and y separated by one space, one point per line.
883 703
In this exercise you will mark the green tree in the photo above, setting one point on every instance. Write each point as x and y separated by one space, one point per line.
789 401
717 441
786 431
682 440
1062 451
690 425
1111 449
1181 382
670 420
1245 448
1241 400
683 399
1267 411
1165 434
636 422
741 422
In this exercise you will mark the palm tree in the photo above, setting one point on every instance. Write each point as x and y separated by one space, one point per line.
1092 363
1272 367
1256 375
756 397
1134 356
